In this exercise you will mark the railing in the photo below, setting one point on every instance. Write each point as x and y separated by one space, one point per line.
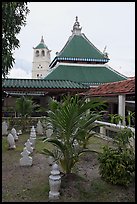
108 131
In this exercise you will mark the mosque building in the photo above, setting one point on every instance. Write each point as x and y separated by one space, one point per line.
77 68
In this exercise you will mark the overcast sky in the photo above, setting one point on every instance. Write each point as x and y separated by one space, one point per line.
110 24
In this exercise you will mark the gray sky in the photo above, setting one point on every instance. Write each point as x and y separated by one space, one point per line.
110 24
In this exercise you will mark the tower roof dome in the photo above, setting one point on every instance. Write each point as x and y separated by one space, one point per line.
41 45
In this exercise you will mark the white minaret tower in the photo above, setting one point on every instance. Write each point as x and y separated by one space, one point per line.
41 60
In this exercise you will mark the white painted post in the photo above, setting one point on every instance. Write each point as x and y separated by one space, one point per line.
103 130
121 107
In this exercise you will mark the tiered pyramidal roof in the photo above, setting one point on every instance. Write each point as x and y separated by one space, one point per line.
80 61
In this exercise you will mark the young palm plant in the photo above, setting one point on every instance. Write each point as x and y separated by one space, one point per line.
72 125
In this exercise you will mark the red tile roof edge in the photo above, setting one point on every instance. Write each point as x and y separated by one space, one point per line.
113 88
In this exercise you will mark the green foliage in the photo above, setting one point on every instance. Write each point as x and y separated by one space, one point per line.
130 118
115 118
13 18
25 107
122 138
72 125
117 166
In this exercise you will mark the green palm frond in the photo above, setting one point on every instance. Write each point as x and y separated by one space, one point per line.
47 152
57 143
71 121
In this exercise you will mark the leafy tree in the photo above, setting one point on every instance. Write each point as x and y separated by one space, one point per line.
25 107
71 124
13 18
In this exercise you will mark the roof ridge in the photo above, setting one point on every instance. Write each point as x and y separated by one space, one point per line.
69 39
122 75
92 44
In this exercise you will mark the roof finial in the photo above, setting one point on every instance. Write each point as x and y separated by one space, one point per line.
76 28
42 40
104 52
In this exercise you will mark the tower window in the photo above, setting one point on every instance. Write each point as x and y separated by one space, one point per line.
43 53
37 53
37 75
39 66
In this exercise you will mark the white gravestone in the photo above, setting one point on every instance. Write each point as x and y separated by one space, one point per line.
33 137
49 130
54 183
11 141
26 160
4 128
14 133
39 128
28 146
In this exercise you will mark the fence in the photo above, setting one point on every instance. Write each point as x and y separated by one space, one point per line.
108 131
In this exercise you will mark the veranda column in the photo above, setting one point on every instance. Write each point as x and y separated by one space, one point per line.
121 107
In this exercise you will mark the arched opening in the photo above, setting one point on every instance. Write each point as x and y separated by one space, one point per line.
43 53
37 53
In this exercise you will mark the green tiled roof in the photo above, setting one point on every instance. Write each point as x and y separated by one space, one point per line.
41 46
80 47
41 84
85 74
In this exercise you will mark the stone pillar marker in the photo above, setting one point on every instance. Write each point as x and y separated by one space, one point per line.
54 182
4 128
26 160
14 133
49 130
33 137
11 141
39 128
28 146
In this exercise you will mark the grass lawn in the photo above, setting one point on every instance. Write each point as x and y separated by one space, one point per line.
30 184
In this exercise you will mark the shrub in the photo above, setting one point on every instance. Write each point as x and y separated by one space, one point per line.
117 165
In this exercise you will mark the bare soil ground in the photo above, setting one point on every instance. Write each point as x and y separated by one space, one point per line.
30 184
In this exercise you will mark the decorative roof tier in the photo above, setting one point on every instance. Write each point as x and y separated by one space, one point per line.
41 45
79 48
40 84
93 75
